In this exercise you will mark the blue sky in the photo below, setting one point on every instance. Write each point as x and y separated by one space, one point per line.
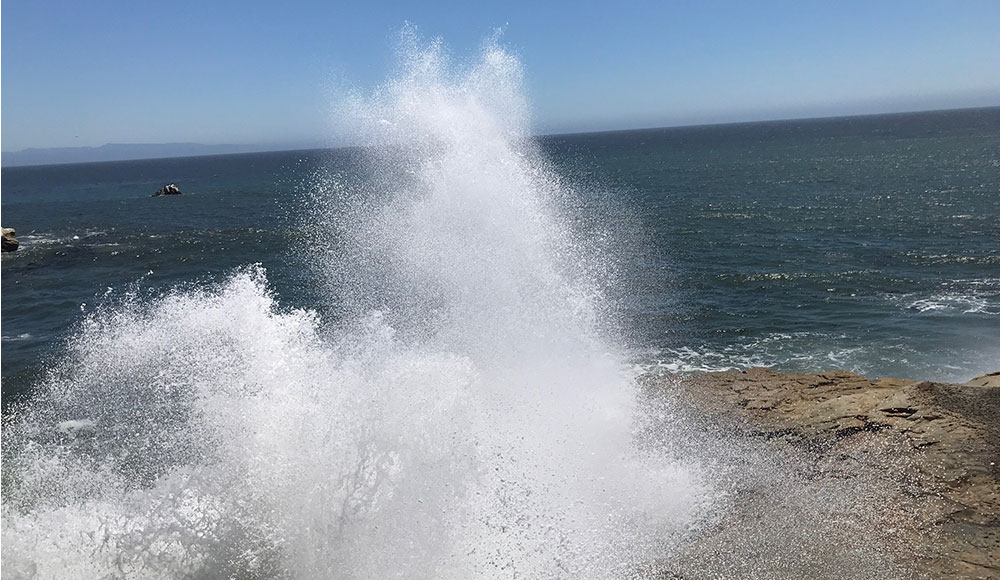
88 73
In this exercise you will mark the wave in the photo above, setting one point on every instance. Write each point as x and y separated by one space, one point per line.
463 414
811 352
975 296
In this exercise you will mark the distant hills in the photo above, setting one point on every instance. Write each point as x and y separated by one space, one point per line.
120 152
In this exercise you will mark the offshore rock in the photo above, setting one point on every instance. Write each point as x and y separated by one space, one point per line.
169 189
927 455
10 242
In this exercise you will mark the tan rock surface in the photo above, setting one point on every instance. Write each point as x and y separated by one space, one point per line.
926 455
10 242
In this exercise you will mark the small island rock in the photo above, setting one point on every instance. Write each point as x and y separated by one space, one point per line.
169 189
10 242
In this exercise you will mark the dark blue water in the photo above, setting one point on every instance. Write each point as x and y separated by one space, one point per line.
869 243
87 228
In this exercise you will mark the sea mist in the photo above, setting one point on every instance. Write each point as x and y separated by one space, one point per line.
461 414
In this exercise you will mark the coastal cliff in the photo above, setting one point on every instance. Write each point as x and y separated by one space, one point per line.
921 458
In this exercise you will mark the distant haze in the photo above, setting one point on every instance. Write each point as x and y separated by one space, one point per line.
122 152
127 151
89 73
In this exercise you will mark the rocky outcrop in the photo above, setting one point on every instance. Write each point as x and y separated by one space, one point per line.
169 189
987 380
10 242
929 451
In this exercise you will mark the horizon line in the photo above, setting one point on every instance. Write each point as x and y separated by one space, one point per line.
265 148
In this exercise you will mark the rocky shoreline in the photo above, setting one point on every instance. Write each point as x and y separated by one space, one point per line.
918 463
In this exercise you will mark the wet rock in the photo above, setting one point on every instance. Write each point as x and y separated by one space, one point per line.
169 189
10 242
930 453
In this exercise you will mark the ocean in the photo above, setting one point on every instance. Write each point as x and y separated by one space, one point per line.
870 244
417 358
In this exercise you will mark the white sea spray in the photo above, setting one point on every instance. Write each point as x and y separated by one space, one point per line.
465 416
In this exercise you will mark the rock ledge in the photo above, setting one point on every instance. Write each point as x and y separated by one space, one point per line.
946 502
